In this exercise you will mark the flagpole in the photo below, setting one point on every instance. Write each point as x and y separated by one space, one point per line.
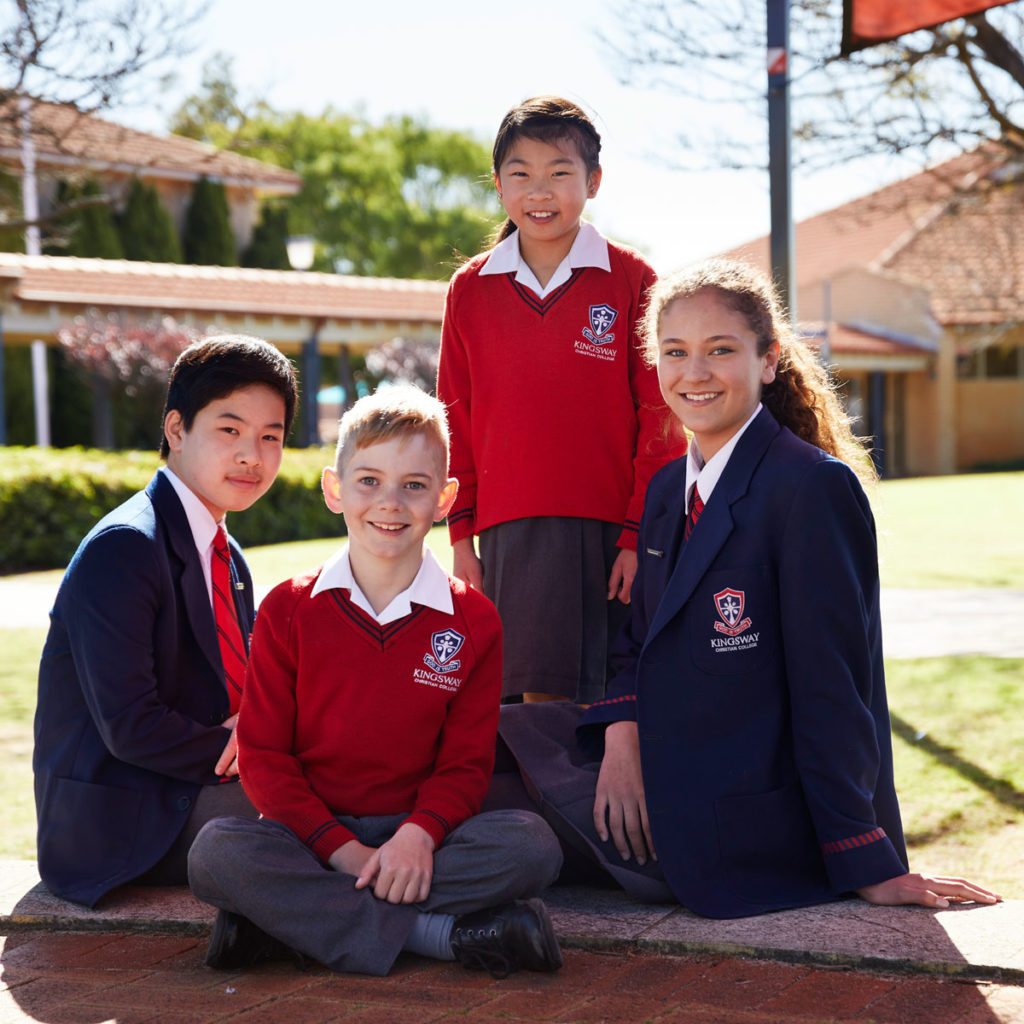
779 173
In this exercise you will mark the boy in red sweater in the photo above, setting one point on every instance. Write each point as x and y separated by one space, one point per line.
366 740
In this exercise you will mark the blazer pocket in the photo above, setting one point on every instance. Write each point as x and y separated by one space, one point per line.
768 847
731 621
89 829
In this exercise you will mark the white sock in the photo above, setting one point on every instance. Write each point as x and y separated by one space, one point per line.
431 936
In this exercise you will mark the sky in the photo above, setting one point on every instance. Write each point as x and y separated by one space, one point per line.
462 63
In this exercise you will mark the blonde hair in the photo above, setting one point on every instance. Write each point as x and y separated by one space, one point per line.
802 397
397 410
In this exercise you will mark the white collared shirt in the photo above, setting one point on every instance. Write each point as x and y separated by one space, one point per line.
589 249
707 474
202 524
430 587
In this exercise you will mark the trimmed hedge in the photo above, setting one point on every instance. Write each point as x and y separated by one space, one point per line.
51 498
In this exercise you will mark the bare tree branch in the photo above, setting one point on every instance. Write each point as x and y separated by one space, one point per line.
931 92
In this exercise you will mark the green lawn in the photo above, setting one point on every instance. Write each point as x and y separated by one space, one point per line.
951 531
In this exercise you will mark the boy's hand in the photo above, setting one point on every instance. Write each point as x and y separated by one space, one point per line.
401 870
465 564
620 582
227 763
620 806
351 858
926 890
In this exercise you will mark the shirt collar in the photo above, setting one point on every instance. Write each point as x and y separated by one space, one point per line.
589 249
707 474
430 587
202 524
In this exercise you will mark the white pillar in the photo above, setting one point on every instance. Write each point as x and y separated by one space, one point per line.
40 396
30 209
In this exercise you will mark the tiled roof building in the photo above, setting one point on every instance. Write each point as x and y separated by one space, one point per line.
918 290
67 142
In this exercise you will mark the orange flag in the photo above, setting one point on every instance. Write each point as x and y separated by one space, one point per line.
866 22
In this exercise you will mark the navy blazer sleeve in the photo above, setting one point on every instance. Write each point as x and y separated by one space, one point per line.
829 611
110 632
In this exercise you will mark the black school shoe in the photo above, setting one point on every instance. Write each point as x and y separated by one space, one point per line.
236 942
513 937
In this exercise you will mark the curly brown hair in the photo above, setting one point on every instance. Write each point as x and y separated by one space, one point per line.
802 396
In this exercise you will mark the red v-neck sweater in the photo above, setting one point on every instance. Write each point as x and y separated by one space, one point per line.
343 716
552 410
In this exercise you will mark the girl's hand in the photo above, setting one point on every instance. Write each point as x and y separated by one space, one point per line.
620 805
926 890
227 763
621 580
401 870
465 564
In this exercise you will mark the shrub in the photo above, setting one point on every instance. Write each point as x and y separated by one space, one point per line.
207 238
146 229
50 499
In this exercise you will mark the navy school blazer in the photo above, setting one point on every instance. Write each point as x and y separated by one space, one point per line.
131 697
753 667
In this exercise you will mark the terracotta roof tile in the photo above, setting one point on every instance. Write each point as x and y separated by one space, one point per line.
950 229
63 134
972 256
163 286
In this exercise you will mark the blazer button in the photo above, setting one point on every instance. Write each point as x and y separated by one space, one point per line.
184 803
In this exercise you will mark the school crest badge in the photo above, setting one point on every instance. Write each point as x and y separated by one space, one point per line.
729 605
602 317
444 645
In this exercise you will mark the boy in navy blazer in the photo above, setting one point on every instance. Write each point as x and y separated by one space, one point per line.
134 730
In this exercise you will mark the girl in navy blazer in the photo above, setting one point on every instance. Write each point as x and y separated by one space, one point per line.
743 752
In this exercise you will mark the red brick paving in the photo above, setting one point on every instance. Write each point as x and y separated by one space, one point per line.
84 978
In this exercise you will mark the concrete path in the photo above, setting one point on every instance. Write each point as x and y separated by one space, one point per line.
916 623
139 959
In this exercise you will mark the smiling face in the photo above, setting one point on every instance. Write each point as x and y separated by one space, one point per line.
390 493
709 369
544 187
232 452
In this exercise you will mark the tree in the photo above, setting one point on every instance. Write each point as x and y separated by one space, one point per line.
396 199
931 93
208 239
87 227
269 246
88 53
405 360
126 363
146 229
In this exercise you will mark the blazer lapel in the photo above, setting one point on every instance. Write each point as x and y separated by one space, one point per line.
193 581
663 534
716 521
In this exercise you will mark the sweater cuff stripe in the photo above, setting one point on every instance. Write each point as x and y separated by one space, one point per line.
613 700
443 822
318 833
864 839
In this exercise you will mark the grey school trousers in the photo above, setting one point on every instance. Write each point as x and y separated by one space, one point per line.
261 870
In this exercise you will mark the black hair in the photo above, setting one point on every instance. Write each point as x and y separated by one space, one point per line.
546 119
216 367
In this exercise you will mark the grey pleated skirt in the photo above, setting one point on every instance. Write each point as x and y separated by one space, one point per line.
548 577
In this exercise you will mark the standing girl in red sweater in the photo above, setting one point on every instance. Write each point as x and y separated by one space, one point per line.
556 421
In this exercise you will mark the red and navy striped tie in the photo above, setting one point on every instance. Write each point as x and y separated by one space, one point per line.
232 648
696 507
